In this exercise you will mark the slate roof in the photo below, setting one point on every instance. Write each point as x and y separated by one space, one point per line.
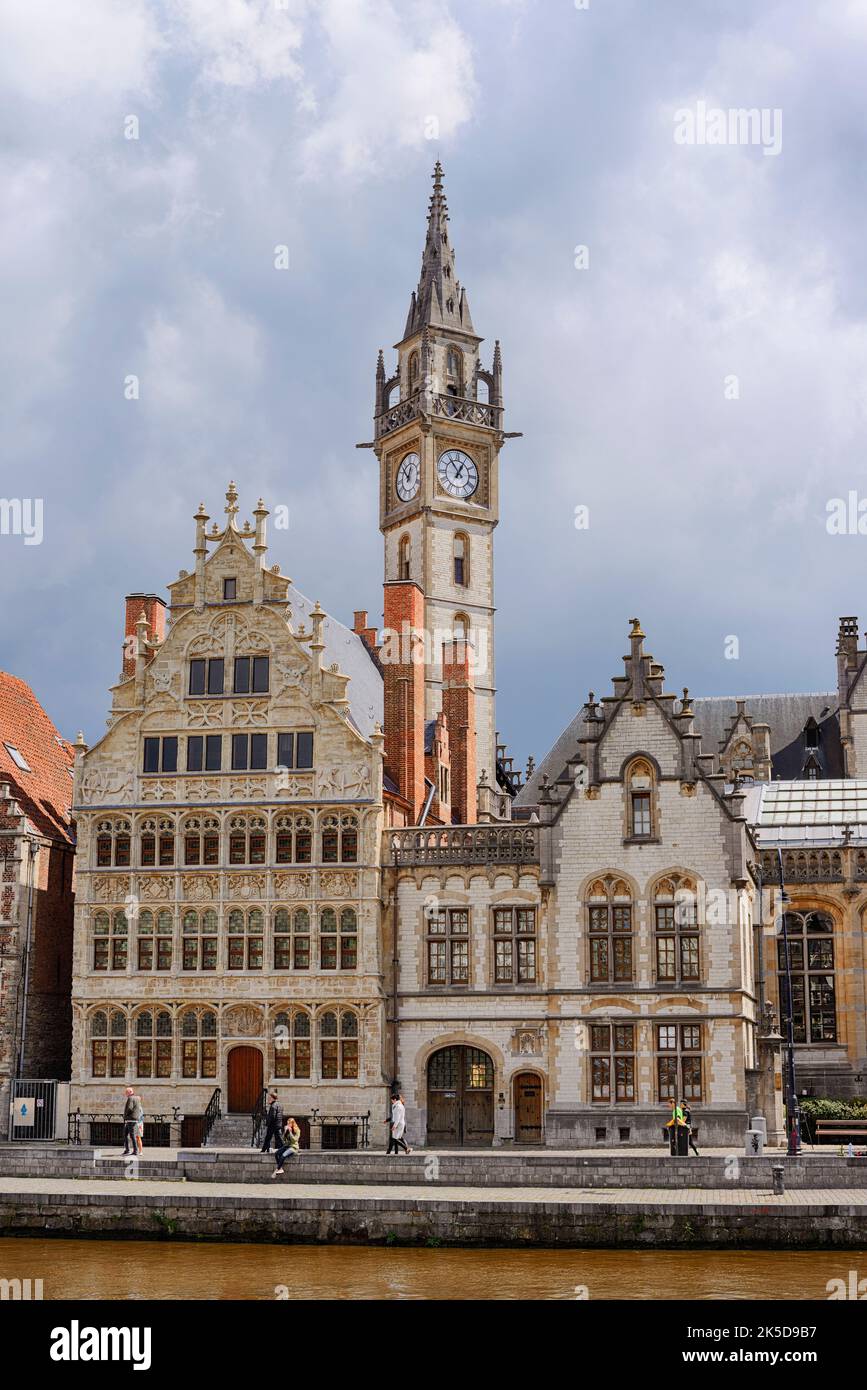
786 715
45 792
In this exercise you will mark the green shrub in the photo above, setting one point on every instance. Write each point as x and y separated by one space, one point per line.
815 1108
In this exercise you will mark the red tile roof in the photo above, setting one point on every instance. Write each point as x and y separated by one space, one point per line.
45 793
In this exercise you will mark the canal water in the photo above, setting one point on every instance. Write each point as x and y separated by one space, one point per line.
141 1269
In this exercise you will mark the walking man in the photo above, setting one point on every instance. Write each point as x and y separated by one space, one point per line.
398 1125
133 1116
273 1123
687 1116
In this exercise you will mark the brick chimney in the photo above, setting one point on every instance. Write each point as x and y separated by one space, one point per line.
403 670
361 629
459 707
154 609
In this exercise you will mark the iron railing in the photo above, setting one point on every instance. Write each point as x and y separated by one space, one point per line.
106 1127
469 844
212 1113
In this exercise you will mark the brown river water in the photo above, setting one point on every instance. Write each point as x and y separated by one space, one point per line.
142 1269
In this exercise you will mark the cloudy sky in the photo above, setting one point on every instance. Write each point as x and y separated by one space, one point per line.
700 385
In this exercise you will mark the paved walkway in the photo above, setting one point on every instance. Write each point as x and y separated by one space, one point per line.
88 1189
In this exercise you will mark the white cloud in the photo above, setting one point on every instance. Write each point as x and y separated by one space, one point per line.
53 50
241 43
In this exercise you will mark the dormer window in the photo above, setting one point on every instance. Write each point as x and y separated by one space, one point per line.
811 734
640 803
18 758
230 589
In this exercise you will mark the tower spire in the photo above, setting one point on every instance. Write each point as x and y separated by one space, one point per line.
440 301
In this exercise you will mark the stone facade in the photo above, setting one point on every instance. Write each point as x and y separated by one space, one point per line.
229 827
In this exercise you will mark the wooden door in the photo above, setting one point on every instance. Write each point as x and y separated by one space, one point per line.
528 1108
245 1080
460 1101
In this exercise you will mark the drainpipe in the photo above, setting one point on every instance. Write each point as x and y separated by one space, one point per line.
428 800
34 850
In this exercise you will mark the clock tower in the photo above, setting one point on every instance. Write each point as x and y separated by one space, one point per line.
439 431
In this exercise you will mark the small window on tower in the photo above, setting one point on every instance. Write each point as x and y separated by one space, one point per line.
230 588
403 559
461 547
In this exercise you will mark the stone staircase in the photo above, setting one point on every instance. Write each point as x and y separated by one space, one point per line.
231 1132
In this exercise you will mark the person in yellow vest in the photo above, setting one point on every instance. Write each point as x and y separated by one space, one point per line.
677 1117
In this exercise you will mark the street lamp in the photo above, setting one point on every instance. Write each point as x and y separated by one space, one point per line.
793 1114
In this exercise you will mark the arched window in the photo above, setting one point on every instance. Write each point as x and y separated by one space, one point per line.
328 939
112 844
153 1044
110 940
454 373
117 1043
742 756
461 627
340 839
641 807
201 840
814 992
246 939
156 842
199 935
676 931
461 556
292 1044
338 1042
198 1044
403 558
348 939
413 371
247 840
294 839
154 930
292 939
98 1028
610 927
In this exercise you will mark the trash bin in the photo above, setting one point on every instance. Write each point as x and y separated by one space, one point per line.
678 1140
754 1143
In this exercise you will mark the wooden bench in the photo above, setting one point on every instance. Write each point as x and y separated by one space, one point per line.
838 1129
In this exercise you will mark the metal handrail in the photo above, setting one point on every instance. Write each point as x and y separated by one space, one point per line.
213 1112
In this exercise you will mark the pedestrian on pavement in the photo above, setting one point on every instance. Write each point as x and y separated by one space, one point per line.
133 1116
398 1125
289 1145
273 1122
687 1115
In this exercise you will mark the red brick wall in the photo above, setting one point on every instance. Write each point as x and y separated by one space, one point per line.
403 691
459 707
154 610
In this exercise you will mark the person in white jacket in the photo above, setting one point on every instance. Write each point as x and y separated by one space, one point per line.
398 1125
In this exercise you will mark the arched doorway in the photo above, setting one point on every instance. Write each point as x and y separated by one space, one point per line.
460 1097
245 1080
528 1108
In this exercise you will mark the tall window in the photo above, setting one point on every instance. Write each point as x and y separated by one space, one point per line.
328 939
292 939
403 558
448 946
112 844
609 925
108 1043
295 750
340 839
246 939
453 372
157 842
678 1061
612 1061
249 752
294 839
251 675
110 940
338 1042
676 932
461 556
153 1044
640 810
154 933
201 840
348 939
413 371
161 754
814 994
199 936
292 1045
514 945
207 676
198 1044
247 840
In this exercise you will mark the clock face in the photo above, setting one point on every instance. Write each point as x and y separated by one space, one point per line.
408 477
457 473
